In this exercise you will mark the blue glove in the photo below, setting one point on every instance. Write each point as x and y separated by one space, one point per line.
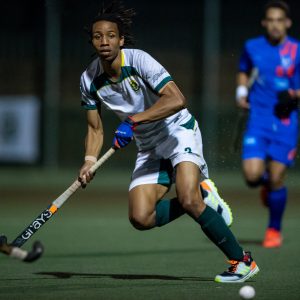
124 133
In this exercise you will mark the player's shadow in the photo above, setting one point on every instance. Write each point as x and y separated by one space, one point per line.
124 253
68 275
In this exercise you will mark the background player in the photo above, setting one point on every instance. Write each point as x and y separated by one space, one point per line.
270 140
142 93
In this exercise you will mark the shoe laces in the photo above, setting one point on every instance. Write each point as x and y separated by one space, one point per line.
234 264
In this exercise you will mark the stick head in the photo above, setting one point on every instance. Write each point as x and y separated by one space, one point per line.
3 240
36 252
4 248
18 253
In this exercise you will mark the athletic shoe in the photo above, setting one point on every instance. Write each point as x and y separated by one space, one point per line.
264 195
239 271
273 238
213 200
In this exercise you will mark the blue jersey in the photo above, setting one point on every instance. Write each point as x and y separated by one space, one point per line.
278 69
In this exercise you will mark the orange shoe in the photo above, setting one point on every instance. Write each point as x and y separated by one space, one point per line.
273 238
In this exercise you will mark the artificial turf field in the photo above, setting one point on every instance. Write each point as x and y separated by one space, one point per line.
92 252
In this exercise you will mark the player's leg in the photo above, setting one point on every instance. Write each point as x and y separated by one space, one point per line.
256 174
151 179
281 156
142 203
254 171
147 209
186 145
276 199
212 224
254 154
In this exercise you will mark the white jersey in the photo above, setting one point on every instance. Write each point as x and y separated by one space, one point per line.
137 89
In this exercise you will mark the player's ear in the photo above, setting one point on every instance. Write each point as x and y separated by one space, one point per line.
288 23
122 41
263 23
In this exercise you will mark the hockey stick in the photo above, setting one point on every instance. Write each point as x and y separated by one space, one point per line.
15 252
52 209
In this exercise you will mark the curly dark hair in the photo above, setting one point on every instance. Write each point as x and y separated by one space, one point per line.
277 4
116 12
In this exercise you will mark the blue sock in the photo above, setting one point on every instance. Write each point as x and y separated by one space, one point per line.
276 201
265 178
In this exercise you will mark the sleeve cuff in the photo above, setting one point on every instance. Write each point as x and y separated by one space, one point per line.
163 83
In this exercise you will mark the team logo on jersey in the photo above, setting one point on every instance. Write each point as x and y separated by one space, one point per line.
134 85
286 61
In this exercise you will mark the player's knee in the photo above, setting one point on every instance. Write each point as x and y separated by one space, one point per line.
253 183
141 221
253 175
276 181
253 180
191 202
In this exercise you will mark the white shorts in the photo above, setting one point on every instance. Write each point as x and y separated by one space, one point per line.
157 166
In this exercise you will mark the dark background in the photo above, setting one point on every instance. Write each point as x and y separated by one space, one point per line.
171 31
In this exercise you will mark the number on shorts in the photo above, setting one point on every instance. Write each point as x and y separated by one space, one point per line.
188 150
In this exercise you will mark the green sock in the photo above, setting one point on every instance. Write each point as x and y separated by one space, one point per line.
167 211
218 232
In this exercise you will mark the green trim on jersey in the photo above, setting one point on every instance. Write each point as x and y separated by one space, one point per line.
190 124
165 172
163 83
98 83
126 71
102 80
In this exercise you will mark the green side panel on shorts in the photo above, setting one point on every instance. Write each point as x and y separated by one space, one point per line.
165 172
190 124
87 106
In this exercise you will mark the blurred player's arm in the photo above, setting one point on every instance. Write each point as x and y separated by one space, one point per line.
244 79
242 90
171 101
93 144
296 80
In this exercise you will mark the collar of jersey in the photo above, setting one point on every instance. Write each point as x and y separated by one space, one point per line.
121 78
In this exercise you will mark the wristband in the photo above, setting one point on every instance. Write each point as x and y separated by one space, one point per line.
241 92
130 121
90 158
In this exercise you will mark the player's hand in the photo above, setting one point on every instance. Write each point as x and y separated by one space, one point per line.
85 176
287 102
124 133
243 103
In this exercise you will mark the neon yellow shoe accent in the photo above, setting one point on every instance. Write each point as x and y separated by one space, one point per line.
213 200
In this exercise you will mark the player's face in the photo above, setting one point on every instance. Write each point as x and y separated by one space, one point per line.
106 40
276 24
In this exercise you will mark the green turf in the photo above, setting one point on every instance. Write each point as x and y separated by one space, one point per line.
92 252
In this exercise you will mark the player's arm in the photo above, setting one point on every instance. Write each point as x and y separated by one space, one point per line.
242 90
171 101
93 144
244 78
296 79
